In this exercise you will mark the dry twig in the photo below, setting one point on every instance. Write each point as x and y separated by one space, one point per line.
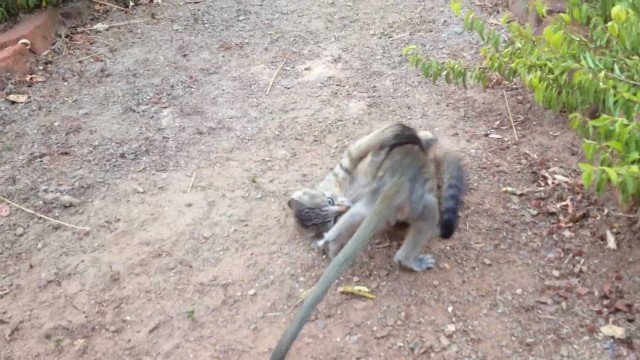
513 126
302 297
192 179
274 77
87 57
42 216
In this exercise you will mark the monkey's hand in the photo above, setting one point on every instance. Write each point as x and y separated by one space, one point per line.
329 245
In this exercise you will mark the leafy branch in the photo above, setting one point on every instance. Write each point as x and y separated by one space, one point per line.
588 56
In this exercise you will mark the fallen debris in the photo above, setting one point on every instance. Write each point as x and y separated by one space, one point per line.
357 290
613 331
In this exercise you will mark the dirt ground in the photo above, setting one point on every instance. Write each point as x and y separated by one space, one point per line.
181 166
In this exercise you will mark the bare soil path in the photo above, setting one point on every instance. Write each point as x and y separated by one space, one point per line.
174 271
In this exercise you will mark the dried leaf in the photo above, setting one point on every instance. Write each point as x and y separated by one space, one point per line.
545 300
611 241
606 289
614 331
357 290
621 306
35 78
17 98
582 291
561 178
80 38
5 210
513 191
618 276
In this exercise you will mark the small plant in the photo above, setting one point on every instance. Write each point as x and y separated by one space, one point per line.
191 314
589 57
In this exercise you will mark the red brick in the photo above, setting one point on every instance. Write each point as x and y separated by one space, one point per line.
16 59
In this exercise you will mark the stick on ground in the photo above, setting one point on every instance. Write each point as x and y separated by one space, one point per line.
274 77
302 297
192 179
513 126
42 216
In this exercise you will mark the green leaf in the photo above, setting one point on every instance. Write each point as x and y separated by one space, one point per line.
556 40
589 148
618 13
613 28
456 6
587 174
616 146
630 185
601 182
410 48
613 176
599 122
632 157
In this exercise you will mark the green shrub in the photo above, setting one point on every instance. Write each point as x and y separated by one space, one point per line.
588 57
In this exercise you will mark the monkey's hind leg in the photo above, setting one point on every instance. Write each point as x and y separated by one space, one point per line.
344 229
421 229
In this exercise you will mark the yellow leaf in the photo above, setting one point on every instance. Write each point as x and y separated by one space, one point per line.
35 78
618 13
611 241
612 330
613 28
556 40
17 98
357 290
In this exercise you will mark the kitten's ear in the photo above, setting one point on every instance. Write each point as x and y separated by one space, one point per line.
294 204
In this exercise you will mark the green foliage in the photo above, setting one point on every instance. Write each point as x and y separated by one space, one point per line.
588 57
9 8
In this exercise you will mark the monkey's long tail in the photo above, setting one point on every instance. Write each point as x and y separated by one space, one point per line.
382 210
451 196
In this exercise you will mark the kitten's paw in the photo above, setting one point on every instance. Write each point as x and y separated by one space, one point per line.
319 244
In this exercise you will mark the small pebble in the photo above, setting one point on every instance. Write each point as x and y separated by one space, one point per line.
252 292
487 262
449 329
415 346
444 341
382 333
555 273
68 201
207 234
19 231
